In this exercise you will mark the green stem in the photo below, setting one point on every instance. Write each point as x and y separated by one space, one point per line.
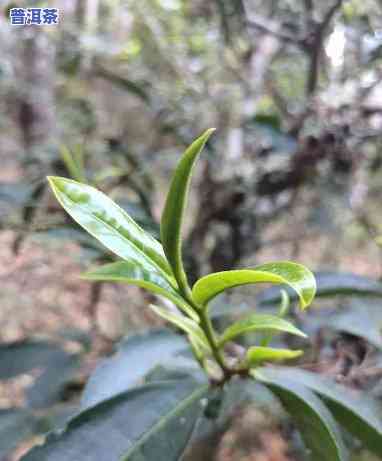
206 325
208 329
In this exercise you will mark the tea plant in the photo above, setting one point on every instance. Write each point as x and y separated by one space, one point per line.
134 410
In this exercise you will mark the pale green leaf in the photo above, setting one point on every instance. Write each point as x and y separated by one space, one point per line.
135 274
185 324
314 421
259 322
172 217
292 274
110 224
257 355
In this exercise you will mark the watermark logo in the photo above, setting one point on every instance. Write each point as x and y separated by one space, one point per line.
34 16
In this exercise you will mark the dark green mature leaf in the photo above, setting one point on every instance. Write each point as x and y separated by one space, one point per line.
332 284
56 365
259 322
187 325
15 426
134 358
359 319
23 356
313 419
357 412
257 355
154 421
135 274
172 217
49 387
110 224
298 277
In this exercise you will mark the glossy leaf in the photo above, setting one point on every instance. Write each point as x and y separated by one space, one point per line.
257 355
134 358
187 325
172 217
135 274
359 413
314 421
332 284
110 224
154 421
298 277
259 322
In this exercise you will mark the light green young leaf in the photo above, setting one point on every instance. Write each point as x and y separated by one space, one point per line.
172 217
135 274
314 421
259 322
284 303
359 413
257 355
74 168
185 324
110 224
292 274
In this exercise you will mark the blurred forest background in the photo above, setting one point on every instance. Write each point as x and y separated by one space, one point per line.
111 96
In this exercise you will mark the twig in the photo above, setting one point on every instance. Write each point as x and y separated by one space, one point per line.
315 49
329 15
271 27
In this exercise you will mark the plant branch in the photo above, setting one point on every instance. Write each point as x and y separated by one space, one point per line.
208 329
270 27
316 47
329 15
206 325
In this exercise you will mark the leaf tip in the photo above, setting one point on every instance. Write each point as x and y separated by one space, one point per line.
51 180
205 136
56 181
